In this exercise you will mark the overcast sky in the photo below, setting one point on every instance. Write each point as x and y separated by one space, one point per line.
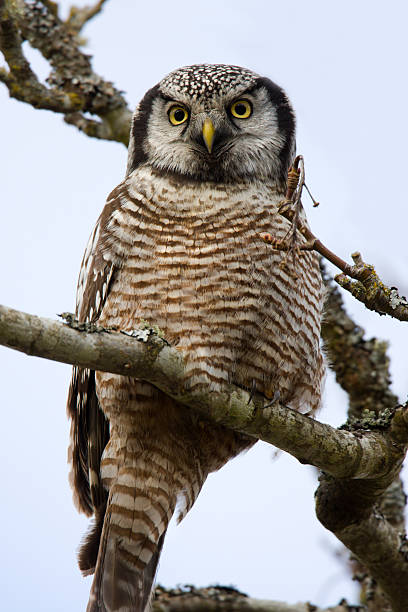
343 65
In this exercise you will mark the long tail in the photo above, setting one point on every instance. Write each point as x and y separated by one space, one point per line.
156 457
132 537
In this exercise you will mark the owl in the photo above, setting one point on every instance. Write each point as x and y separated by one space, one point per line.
177 246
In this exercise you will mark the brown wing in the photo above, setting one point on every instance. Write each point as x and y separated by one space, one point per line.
89 427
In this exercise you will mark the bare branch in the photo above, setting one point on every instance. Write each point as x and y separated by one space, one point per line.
361 366
362 369
372 457
75 88
218 599
369 289
21 80
341 453
79 16
373 540
362 464
96 129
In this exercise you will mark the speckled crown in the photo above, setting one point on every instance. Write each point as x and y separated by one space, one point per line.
206 80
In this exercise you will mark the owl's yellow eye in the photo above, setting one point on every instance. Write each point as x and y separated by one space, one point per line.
241 109
178 115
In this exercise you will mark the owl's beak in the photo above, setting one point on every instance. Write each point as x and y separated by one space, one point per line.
208 133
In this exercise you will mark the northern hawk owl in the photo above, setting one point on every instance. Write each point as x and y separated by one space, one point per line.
177 245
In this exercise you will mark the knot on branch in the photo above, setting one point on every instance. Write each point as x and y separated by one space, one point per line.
340 503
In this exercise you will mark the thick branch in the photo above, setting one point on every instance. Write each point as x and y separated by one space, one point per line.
340 453
362 369
361 366
363 463
382 549
219 599
21 80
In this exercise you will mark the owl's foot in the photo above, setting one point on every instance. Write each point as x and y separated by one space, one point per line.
276 397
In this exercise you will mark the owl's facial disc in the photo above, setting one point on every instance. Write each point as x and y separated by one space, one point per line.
225 138
214 123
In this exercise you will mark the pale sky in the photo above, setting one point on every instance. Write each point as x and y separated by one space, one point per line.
343 64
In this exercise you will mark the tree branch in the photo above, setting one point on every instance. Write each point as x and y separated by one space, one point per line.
362 464
340 453
367 286
20 79
369 289
75 88
361 366
362 369
104 130
219 599
366 532
79 16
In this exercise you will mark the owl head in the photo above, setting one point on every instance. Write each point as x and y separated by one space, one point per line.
213 122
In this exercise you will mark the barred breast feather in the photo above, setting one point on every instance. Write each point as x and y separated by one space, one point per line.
193 264
187 257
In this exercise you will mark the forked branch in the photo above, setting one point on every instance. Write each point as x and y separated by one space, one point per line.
74 89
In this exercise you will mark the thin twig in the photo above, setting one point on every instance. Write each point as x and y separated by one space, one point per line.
79 16
367 286
315 203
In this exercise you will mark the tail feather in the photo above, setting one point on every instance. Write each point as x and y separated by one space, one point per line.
118 586
130 544
88 552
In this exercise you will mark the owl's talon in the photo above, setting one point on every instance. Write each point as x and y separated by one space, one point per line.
252 392
276 397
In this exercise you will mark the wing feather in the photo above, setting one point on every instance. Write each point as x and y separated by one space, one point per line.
89 427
